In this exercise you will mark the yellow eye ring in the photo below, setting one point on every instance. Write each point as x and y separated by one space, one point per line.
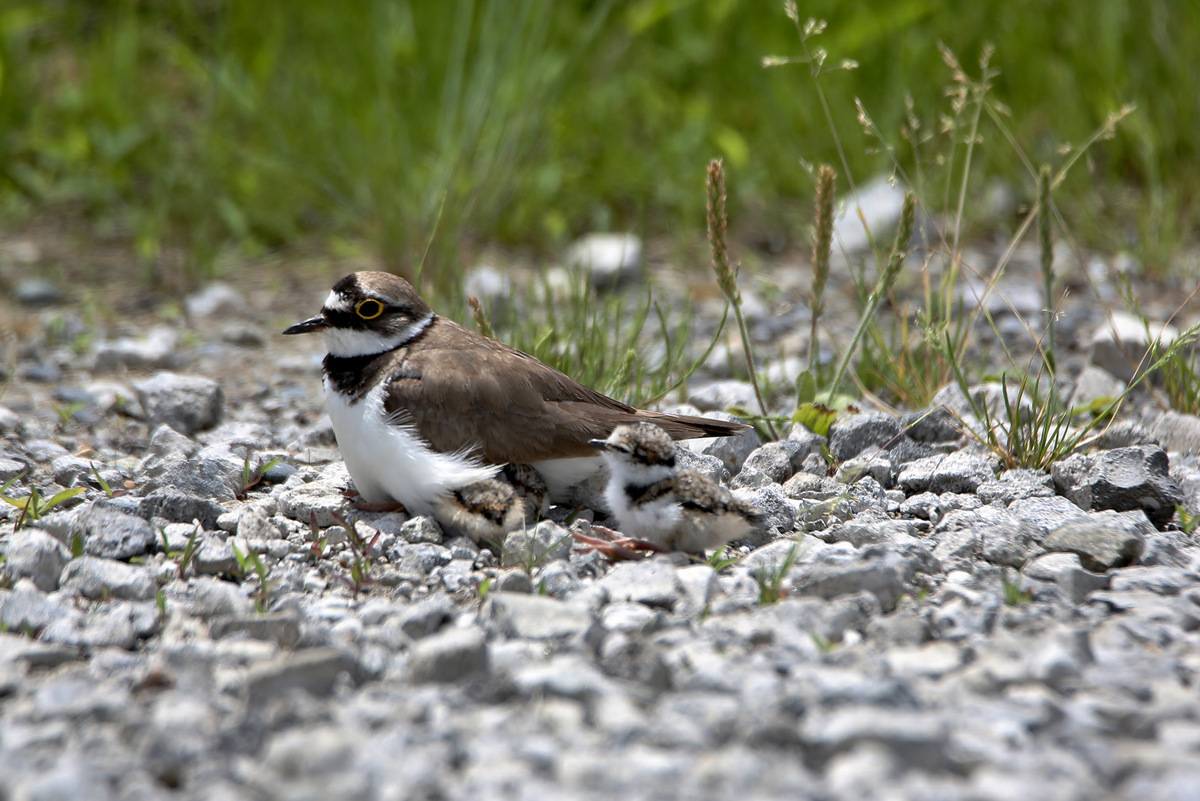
368 309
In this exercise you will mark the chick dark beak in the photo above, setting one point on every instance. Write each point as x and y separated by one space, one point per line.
602 444
317 323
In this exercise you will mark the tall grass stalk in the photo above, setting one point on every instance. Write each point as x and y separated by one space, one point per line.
822 248
726 271
1047 264
882 287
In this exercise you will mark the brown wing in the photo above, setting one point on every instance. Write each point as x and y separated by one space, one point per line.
469 392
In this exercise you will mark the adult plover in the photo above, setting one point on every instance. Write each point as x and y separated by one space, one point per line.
422 406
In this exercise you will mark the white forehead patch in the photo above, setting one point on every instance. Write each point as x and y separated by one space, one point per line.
336 302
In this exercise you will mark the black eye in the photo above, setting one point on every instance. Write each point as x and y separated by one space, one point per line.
369 309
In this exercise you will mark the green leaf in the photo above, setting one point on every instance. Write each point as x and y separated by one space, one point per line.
816 417
806 387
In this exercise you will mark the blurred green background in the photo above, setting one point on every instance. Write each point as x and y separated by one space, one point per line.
218 129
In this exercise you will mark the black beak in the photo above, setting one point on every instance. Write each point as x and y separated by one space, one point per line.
602 444
317 323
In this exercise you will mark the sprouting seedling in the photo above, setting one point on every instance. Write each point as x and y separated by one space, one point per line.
34 505
770 578
253 477
67 411
104 485
360 549
318 541
250 562
187 554
1014 595
721 559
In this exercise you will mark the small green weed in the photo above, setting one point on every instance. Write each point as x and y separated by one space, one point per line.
770 578
250 562
360 550
186 554
35 505
252 477
1188 522
1014 595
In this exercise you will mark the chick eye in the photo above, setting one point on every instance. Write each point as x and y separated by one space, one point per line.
369 309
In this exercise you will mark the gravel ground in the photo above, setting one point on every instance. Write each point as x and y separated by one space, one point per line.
946 629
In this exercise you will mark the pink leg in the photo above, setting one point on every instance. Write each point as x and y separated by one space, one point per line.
617 546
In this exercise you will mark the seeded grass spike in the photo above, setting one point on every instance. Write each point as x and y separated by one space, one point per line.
822 247
726 272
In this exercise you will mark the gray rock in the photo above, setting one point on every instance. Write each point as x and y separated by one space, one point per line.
422 529
116 624
105 531
535 617
215 300
776 513
96 578
449 656
872 570
1037 517
776 460
709 466
315 671
113 397
1013 485
1066 570
530 547
168 444
214 556
34 554
282 629
1159 580
634 659
1095 385
1120 342
989 398
654 582
851 434
868 529
26 607
321 498
1102 542
1060 660
917 739
416 563
721 396
213 598
937 424
157 349
186 403
214 472
1178 433
607 258
514 580
11 468
74 696
732 450
493 286
178 507
36 292
955 472
425 616
1123 479
872 211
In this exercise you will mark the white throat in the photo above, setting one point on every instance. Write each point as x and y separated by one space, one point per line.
351 342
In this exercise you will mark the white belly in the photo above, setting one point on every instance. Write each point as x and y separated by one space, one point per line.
390 462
